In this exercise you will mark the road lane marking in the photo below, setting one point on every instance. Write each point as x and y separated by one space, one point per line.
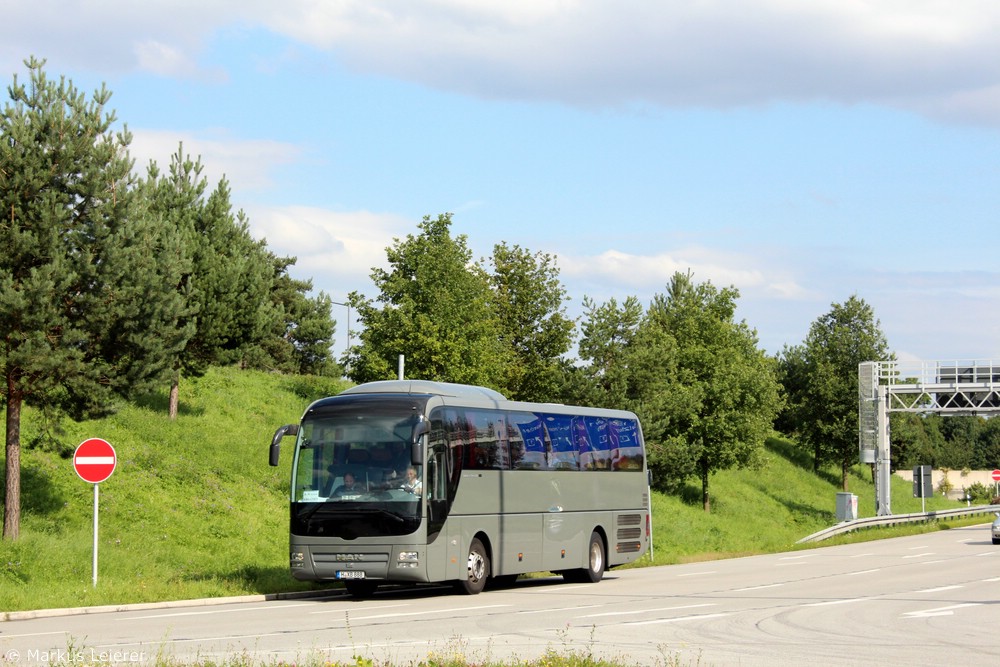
852 574
186 640
833 602
216 611
426 612
650 611
939 611
921 555
756 588
696 574
546 611
679 619
938 589
342 610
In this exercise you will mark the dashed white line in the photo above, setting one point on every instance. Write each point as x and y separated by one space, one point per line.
426 612
346 610
939 589
756 588
939 611
678 619
216 611
833 602
649 611
546 611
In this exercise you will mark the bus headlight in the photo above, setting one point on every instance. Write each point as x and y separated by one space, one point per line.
407 559
297 559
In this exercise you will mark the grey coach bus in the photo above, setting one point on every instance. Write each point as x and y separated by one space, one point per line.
415 481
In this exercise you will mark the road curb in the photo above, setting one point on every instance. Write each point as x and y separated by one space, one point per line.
169 604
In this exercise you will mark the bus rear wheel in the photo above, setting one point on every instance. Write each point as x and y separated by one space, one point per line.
594 571
477 570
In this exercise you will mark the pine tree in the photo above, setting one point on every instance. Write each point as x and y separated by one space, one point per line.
228 287
88 301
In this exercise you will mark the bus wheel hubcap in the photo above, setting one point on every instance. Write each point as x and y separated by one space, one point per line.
596 557
476 567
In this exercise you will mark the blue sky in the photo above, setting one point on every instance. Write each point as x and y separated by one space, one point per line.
801 152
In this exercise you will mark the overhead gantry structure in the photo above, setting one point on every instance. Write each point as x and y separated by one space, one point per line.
941 387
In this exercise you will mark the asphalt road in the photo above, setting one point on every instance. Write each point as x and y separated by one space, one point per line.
924 600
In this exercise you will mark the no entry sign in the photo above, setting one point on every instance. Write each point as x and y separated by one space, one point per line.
94 460
995 475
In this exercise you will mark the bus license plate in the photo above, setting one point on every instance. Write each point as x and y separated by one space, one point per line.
350 574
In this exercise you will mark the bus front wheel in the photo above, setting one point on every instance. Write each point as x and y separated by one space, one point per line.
477 570
594 571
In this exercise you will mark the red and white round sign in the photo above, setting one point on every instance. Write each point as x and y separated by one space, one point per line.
94 460
995 475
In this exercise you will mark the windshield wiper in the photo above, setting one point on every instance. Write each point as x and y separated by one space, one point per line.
379 510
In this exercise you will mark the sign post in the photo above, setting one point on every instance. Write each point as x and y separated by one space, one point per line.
996 482
94 461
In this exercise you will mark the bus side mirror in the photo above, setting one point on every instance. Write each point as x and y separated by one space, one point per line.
275 450
416 448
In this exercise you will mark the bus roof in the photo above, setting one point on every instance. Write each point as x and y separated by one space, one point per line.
425 387
469 395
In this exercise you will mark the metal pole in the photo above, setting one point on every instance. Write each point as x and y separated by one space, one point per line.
348 306
400 367
95 534
883 473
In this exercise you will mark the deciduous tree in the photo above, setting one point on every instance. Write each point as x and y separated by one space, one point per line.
435 307
527 299
718 404
824 400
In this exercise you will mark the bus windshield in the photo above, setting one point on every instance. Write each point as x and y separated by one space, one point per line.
353 463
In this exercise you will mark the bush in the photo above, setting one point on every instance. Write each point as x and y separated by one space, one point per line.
979 493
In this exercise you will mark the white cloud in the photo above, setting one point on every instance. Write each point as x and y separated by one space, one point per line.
248 162
337 250
652 273
931 56
714 53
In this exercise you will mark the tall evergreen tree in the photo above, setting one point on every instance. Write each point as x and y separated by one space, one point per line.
299 340
88 302
228 288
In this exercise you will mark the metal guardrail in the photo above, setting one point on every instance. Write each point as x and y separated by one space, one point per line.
882 521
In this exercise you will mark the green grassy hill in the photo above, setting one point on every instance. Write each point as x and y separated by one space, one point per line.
193 510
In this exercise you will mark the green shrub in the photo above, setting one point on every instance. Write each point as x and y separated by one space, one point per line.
980 494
